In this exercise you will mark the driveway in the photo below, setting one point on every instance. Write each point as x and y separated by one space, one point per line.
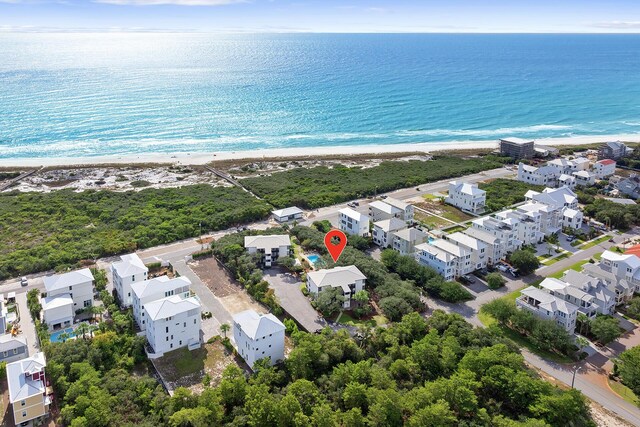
287 289
27 327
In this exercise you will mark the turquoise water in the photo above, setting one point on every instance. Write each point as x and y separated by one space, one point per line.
98 94
313 258
55 336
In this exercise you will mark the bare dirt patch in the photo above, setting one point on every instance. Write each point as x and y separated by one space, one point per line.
212 274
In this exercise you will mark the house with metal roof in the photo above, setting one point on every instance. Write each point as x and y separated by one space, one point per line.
269 248
130 269
258 336
76 284
353 222
406 240
467 197
349 279
384 231
172 323
153 290
546 306
292 213
29 395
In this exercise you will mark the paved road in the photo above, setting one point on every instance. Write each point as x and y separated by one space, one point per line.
27 327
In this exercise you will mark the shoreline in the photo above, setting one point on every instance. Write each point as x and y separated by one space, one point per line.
201 158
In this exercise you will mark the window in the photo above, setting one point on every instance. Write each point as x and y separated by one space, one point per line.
185 324
15 351
180 342
22 403
194 321
167 339
24 414
4 353
87 303
166 329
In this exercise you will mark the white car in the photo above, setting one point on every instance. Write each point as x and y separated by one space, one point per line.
24 281
502 267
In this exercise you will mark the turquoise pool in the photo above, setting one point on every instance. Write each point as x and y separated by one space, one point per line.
55 336
314 258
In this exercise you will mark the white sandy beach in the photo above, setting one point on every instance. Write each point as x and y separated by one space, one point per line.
199 158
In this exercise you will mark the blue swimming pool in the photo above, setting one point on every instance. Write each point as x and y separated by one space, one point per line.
314 258
55 336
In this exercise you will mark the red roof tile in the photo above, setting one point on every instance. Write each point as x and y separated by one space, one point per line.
607 162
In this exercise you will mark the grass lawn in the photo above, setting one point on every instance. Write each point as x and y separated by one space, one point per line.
431 197
624 392
430 221
377 320
595 242
447 211
454 229
556 259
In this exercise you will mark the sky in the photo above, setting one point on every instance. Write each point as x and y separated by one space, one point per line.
381 16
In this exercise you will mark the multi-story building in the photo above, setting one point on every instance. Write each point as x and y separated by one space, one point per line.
13 348
391 208
172 323
28 394
448 259
602 300
78 285
269 248
604 168
353 222
544 175
384 231
477 248
153 290
630 186
258 336
405 241
568 167
57 312
547 306
517 148
349 279
585 178
406 209
623 266
558 201
612 150
622 289
130 269
502 230
467 197
525 222
495 248
287 214
568 181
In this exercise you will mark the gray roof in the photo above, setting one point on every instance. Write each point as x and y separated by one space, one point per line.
9 342
129 265
267 242
621 201
293 210
61 281
57 301
396 203
391 224
256 325
467 188
549 302
410 234
171 306
337 276
481 235
20 385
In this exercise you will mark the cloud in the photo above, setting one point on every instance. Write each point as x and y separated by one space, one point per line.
621 25
170 2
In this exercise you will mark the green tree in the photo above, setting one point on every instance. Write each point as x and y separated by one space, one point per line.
224 328
329 301
435 415
627 366
501 309
495 280
525 261
605 329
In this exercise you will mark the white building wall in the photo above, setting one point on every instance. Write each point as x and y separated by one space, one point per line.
174 332
269 346
352 226
81 293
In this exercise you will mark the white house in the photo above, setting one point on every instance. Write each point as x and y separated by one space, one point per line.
504 231
13 348
77 284
390 208
478 249
567 181
600 299
565 166
405 241
467 197
27 386
269 247
130 269
349 279
155 289
353 222
585 178
495 248
622 289
57 311
547 306
558 200
525 222
623 266
384 231
172 323
287 214
604 168
258 336
545 175
449 260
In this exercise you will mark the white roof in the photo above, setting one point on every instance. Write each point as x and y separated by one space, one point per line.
61 281
8 342
129 265
450 247
553 284
267 242
384 207
336 277
555 197
467 188
158 285
620 201
468 241
256 325
481 235
57 301
631 260
565 177
21 387
436 252
571 213
293 210
549 302
354 214
584 174
391 224
515 140
410 234
171 306
396 203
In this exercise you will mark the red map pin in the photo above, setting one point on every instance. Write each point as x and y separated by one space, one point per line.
335 249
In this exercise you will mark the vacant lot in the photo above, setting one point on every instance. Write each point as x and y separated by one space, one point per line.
440 215
502 192
212 274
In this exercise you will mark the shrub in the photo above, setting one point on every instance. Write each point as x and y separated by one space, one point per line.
495 280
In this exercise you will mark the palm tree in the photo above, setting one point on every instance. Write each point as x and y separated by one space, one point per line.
64 336
82 329
224 328
584 322
581 343
96 310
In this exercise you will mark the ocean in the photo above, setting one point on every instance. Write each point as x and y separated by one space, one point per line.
82 95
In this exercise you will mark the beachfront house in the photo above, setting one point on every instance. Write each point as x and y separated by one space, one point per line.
288 214
614 150
604 168
258 336
353 222
172 323
348 279
57 312
130 269
405 240
391 208
517 148
544 175
476 247
153 290
29 395
384 231
269 248
568 167
13 348
467 197
547 306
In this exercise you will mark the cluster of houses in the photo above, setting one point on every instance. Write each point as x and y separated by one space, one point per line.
567 172
597 289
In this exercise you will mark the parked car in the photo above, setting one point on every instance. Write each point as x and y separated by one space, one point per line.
570 238
383 197
502 267
467 278
352 204
513 271
24 281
